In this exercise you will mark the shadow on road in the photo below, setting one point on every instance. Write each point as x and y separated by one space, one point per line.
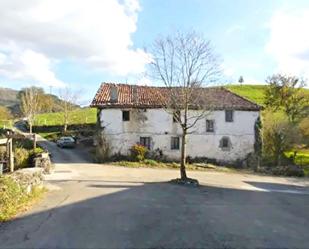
163 215
279 187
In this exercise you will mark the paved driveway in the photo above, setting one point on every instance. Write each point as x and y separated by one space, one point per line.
101 206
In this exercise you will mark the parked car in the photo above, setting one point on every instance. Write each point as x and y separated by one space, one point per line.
66 142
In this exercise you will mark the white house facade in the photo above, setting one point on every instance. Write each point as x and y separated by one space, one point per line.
225 133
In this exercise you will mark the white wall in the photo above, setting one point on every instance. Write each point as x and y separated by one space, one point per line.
160 127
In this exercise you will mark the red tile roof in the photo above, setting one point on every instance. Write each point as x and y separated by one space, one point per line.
133 96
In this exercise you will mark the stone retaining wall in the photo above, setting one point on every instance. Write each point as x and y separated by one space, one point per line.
28 178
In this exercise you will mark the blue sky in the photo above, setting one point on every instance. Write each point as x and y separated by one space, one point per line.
52 45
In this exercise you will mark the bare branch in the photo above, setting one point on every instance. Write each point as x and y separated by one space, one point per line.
185 63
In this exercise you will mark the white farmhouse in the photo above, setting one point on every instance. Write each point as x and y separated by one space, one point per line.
130 114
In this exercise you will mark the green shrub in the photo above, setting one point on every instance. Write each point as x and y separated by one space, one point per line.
11 195
2 153
53 136
37 151
151 162
290 170
138 152
22 158
279 135
14 197
33 154
23 143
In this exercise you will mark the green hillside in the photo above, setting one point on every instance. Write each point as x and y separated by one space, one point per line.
254 93
79 116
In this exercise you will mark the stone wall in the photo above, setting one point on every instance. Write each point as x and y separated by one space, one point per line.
28 178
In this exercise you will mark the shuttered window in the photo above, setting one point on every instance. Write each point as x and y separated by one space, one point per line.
210 125
175 143
229 116
225 143
125 115
145 141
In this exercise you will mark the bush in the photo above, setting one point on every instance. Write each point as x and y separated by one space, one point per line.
304 129
138 152
37 151
290 170
22 158
11 194
279 135
2 153
33 154
251 161
14 197
23 143
150 162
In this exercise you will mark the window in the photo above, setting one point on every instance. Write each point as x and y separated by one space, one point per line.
229 115
210 125
176 116
145 141
225 143
125 115
175 143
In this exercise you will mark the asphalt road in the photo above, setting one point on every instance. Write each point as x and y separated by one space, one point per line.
101 206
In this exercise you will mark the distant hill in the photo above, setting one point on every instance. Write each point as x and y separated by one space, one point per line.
255 93
9 99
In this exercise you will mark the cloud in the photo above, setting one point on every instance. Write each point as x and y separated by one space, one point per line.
30 66
35 34
235 29
228 71
289 41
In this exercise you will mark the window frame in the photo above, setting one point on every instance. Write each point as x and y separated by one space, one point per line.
124 117
229 118
142 141
207 125
173 147
228 146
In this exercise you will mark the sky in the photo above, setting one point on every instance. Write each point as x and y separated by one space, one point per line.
81 43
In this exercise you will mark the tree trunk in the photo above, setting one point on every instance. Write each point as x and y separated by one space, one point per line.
279 160
65 127
30 127
183 173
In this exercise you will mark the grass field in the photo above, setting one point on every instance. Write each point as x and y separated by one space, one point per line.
254 93
6 124
79 116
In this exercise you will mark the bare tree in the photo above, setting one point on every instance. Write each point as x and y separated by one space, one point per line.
30 104
68 104
185 63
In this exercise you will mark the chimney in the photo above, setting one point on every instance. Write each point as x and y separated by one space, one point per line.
114 94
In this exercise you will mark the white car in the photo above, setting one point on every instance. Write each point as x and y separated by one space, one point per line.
66 142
